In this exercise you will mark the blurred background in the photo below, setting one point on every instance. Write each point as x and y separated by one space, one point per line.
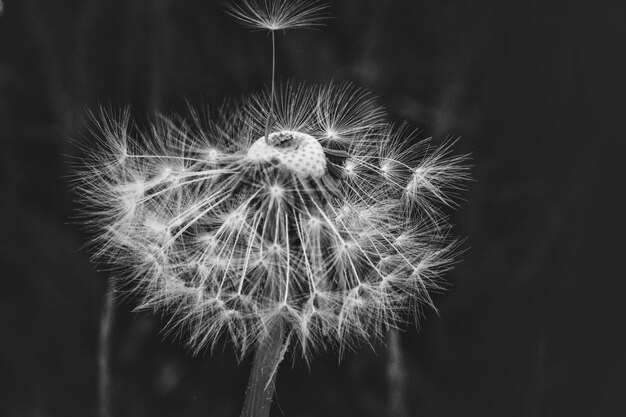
532 322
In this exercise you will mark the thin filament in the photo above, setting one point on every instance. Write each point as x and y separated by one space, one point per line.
270 116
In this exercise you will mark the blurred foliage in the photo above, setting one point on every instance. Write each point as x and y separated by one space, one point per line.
527 325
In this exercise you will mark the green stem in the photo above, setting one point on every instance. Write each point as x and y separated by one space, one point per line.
396 376
261 385
107 316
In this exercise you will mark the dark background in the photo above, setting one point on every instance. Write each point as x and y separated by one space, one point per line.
532 323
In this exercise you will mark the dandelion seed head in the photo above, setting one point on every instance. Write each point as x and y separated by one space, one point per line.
330 222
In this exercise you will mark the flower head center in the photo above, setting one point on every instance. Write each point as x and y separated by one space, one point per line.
299 152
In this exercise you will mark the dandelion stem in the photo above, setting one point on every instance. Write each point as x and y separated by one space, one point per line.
261 385
107 316
396 376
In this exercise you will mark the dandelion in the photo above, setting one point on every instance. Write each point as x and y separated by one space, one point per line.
332 237
318 225
333 233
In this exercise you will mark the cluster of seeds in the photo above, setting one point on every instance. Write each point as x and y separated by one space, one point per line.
331 223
